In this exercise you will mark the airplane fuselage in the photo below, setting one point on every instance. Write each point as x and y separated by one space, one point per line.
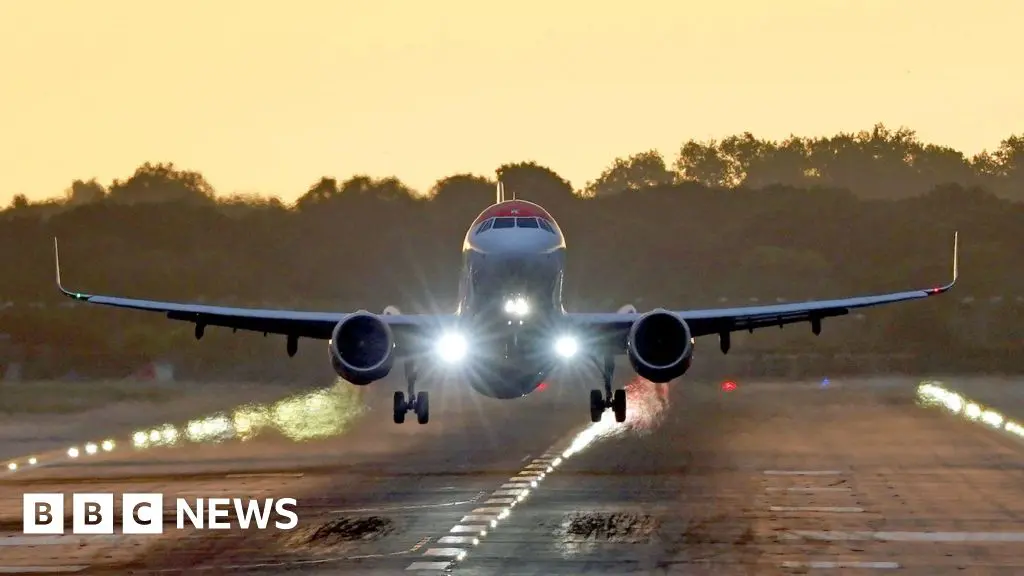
510 298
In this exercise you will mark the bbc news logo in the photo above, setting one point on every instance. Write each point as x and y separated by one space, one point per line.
43 513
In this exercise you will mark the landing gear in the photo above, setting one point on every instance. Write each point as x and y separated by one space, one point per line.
418 402
599 401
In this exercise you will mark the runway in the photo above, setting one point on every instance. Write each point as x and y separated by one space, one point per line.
771 478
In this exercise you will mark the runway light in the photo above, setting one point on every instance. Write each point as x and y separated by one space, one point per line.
90 448
32 461
566 346
451 347
728 386
73 452
12 466
107 445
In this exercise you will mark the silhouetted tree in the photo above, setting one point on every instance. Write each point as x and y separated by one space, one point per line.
162 183
81 192
643 170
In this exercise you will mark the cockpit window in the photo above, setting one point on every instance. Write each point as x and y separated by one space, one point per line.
484 226
504 223
544 224
526 222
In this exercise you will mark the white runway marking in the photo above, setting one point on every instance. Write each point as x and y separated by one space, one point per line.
516 485
488 510
500 501
838 536
429 566
840 509
810 489
472 540
65 569
412 507
802 472
822 564
479 518
450 552
509 492
267 475
472 529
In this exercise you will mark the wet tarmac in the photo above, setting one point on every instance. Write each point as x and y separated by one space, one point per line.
768 478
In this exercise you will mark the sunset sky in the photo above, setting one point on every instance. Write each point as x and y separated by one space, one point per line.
267 97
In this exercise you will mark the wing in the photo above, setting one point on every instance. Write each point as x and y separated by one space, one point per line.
292 323
614 326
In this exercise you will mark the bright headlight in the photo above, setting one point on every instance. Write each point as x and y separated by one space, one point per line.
451 347
566 346
517 306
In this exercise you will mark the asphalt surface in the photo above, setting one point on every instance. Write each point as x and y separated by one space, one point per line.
769 478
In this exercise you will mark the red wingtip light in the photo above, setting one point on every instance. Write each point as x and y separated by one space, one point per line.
542 386
728 386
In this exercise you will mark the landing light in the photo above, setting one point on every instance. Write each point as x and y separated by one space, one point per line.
566 346
451 347
517 306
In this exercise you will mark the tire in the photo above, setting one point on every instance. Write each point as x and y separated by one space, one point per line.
400 407
596 405
619 405
422 408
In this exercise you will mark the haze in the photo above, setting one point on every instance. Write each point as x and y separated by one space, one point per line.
267 98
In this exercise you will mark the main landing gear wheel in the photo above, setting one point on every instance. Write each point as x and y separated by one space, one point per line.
600 401
422 408
418 402
596 405
619 405
400 407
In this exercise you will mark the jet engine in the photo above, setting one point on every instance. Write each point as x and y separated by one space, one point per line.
660 346
362 348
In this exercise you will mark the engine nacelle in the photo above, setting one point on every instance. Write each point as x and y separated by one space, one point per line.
362 348
660 346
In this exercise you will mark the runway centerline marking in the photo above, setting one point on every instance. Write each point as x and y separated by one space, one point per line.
58 569
802 472
513 491
410 507
839 509
429 566
810 489
824 564
840 536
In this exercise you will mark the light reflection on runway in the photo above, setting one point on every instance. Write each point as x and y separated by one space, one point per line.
932 393
311 415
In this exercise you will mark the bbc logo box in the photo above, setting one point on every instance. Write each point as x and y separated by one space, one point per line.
43 513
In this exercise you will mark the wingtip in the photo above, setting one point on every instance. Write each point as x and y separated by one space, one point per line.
60 285
956 256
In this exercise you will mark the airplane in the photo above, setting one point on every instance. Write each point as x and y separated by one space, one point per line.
510 328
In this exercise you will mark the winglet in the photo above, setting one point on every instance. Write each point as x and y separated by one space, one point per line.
56 260
956 266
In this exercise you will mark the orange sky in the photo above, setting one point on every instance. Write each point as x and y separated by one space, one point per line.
266 98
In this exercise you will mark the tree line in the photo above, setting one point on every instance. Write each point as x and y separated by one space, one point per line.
693 236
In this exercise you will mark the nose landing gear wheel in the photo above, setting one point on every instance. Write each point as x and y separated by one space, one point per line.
400 407
596 405
422 408
619 405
